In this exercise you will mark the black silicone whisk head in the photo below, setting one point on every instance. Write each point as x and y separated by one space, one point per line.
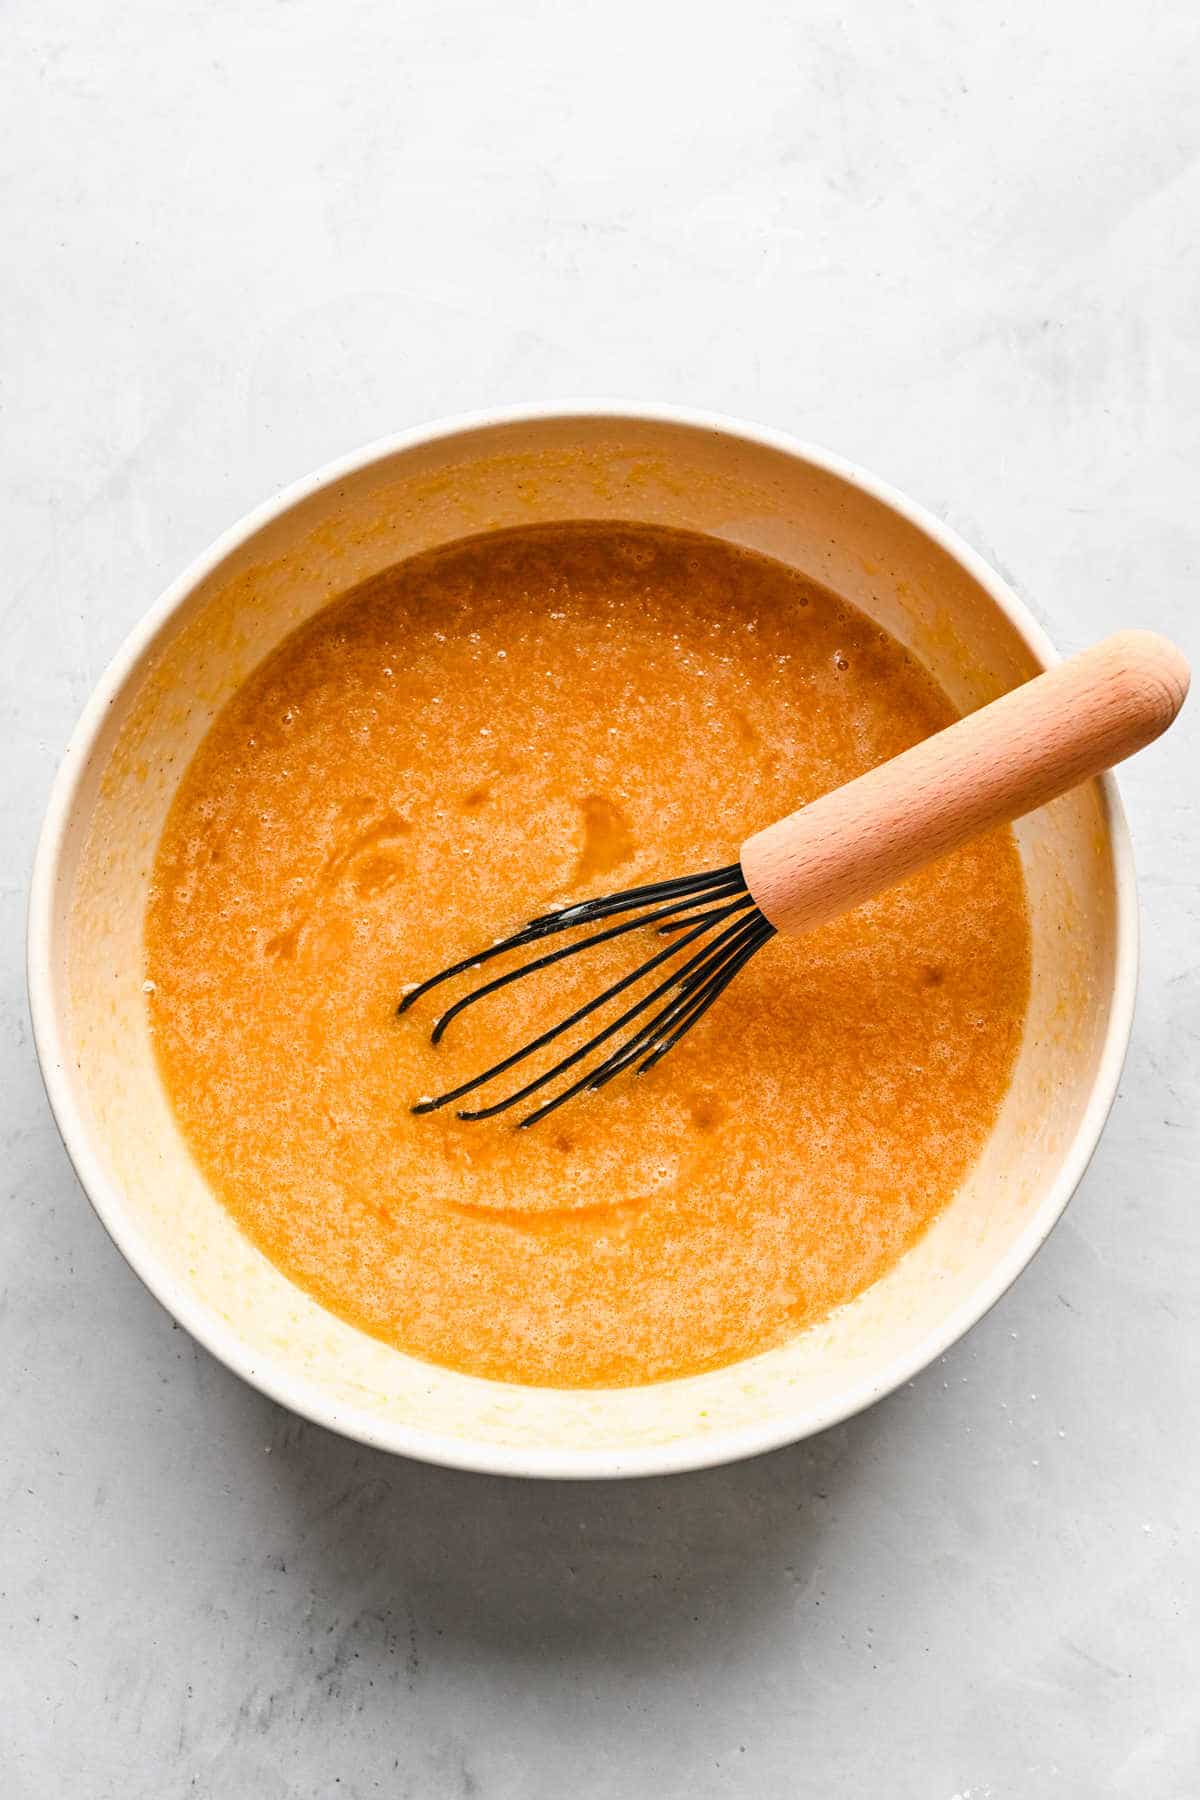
713 911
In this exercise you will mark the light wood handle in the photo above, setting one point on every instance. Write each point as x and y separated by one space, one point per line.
1057 730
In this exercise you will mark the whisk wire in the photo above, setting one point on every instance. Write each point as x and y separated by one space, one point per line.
703 1000
715 950
684 1015
708 886
697 994
697 991
687 908
580 1013
553 956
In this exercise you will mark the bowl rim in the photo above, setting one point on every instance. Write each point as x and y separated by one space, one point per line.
298 1392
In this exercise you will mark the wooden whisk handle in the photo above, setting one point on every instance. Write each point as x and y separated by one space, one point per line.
1011 756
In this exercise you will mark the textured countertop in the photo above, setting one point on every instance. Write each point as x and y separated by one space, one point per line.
955 243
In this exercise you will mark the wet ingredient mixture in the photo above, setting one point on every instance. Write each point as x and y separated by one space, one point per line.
494 728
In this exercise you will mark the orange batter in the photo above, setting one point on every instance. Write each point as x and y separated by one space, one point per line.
477 735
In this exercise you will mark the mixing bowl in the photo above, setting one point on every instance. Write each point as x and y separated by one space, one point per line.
426 487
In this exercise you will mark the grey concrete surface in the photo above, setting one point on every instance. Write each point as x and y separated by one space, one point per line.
955 242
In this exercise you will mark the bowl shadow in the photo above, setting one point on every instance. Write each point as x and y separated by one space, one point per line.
401 1553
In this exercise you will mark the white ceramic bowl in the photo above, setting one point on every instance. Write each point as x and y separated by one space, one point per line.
425 487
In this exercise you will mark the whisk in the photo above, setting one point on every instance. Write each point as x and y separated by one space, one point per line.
988 768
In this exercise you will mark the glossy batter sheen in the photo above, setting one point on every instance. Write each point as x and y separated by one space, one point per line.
486 731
